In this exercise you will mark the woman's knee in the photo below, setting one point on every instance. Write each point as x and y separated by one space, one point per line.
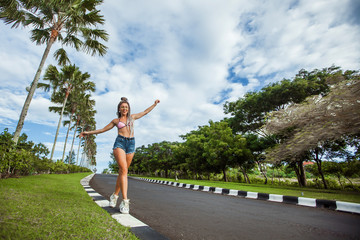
123 170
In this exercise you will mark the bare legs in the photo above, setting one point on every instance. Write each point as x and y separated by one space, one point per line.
124 161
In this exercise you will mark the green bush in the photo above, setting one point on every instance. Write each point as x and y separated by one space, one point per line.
332 184
256 180
26 158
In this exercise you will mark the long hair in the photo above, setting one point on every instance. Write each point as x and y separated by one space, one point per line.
129 120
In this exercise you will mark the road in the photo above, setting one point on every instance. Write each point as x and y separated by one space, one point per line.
179 213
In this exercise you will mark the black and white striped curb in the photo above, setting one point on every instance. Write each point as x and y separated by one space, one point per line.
140 229
302 201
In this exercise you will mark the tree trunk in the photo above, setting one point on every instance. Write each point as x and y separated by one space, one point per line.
67 135
83 157
246 177
58 127
262 171
72 145
30 95
339 178
77 157
352 185
318 163
300 173
225 176
166 173
297 174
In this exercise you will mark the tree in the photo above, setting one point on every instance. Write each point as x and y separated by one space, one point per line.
86 122
310 128
248 114
71 22
257 146
192 151
319 118
113 166
63 83
220 146
142 161
70 159
82 105
164 156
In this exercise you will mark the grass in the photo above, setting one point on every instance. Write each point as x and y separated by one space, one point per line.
347 196
53 207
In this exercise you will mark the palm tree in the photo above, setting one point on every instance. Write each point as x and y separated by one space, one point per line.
86 121
72 104
78 101
71 22
85 105
63 83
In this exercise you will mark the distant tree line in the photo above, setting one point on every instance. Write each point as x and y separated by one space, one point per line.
313 117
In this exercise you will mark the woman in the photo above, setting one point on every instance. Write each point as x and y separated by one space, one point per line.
124 148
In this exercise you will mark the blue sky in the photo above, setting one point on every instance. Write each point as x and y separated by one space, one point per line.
193 55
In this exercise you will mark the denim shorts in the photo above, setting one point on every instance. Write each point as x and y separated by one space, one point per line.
125 143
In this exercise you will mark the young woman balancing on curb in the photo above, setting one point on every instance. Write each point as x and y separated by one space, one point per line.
124 148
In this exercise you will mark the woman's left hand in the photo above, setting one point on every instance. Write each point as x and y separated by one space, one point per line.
157 101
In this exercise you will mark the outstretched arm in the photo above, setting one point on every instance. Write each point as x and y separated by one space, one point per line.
106 128
141 114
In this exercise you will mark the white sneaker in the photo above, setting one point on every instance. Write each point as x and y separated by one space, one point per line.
124 206
113 200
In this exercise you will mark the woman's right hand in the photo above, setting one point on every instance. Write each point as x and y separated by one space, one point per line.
82 134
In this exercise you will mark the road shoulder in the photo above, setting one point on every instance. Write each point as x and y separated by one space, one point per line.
140 229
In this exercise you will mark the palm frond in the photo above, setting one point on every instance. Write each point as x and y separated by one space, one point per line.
61 56
55 109
93 18
47 12
44 86
90 4
73 41
40 36
11 13
94 33
34 20
51 73
94 47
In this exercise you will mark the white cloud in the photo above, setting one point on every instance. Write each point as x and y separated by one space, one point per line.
283 38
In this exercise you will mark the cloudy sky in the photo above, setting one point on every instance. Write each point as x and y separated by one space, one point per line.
193 55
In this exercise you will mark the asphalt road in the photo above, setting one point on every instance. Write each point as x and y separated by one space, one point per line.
179 213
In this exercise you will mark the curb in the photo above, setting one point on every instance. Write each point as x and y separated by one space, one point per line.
301 201
140 229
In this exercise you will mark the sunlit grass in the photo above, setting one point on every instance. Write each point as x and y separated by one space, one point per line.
347 196
53 207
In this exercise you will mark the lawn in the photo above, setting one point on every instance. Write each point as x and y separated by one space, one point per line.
347 196
52 206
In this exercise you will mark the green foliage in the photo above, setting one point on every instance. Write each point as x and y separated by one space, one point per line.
26 158
211 149
113 166
72 160
249 112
